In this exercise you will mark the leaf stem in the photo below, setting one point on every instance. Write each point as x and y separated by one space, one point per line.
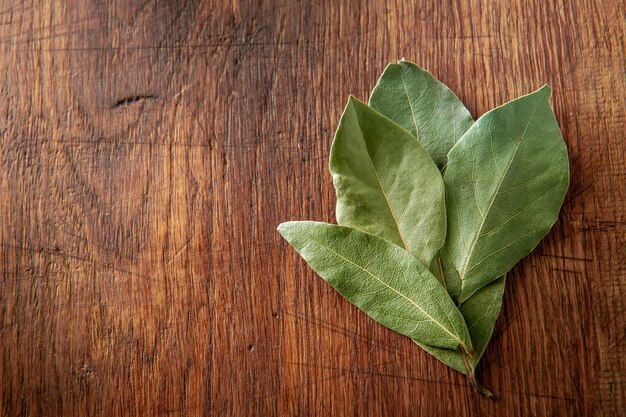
471 375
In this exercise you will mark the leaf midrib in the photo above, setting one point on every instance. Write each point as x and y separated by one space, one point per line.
393 215
408 98
382 190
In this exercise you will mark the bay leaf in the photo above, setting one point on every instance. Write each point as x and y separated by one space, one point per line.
386 183
505 183
383 280
427 108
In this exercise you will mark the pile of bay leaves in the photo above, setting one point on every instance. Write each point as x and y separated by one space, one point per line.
434 208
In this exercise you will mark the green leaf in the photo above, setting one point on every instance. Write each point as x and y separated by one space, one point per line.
413 98
480 311
383 280
505 183
386 183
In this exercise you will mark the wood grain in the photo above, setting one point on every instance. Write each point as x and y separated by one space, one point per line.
150 148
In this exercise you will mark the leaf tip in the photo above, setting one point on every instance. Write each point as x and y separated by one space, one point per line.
546 90
283 229
353 101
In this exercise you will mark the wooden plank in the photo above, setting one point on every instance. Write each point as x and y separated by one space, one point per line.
149 149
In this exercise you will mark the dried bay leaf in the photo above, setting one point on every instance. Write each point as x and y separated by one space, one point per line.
414 99
383 280
386 182
505 183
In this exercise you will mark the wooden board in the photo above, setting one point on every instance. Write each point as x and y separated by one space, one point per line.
150 148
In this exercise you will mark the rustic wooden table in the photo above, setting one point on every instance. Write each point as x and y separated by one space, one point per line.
150 148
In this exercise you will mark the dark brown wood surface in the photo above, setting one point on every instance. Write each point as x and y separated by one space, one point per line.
150 148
